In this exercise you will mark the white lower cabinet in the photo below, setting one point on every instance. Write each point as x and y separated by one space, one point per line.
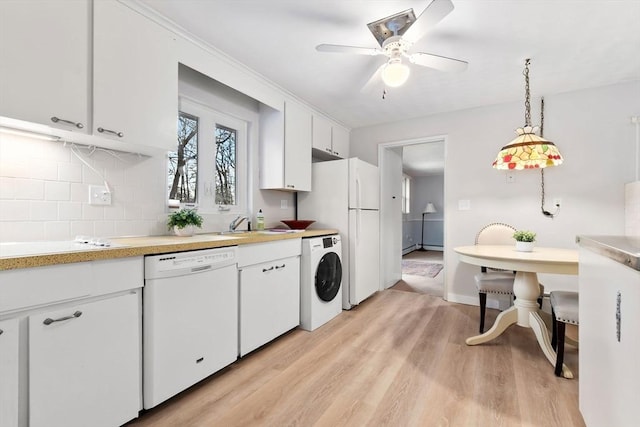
269 292
71 343
84 365
9 366
609 345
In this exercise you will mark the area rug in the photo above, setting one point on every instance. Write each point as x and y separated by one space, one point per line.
420 268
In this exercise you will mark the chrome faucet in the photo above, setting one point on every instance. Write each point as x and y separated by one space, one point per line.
236 222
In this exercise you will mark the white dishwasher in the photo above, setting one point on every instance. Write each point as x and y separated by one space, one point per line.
190 319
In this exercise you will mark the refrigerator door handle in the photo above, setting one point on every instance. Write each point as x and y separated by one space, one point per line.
358 226
358 194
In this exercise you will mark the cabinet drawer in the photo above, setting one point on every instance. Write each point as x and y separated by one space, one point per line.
270 251
43 285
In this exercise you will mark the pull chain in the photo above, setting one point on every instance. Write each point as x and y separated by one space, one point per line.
545 213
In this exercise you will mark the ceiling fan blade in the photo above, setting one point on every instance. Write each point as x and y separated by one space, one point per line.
376 77
441 63
337 48
428 19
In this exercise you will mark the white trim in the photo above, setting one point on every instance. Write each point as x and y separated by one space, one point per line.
414 141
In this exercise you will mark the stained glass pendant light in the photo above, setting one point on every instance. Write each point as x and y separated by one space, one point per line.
528 150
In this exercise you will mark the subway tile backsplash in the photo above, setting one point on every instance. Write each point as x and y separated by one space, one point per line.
44 192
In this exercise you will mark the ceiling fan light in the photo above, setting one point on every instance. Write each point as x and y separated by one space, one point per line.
395 74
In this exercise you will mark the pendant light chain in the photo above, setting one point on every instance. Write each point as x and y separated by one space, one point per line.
527 96
542 170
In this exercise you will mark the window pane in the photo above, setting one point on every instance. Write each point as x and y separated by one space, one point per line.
225 165
183 163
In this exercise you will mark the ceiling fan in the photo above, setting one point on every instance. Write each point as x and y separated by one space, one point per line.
396 34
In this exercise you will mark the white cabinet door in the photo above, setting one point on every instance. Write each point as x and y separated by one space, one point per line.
340 142
285 148
9 373
135 78
609 372
297 144
85 371
269 301
321 134
44 62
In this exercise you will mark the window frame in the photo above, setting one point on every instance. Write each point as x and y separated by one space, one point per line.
208 118
406 194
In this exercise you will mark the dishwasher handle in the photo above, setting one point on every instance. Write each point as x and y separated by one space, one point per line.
201 268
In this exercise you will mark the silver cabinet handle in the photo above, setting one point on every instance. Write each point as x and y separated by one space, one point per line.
264 270
278 267
291 186
618 315
49 320
1 331
112 132
327 150
55 119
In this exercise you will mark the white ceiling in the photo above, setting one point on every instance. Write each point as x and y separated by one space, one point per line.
573 44
423 159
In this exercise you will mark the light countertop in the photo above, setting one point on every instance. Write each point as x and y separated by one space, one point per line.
623 249
37 254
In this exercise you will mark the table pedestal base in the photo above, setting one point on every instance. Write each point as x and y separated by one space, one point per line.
525 313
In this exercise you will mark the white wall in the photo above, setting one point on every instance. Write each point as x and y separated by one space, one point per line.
593 131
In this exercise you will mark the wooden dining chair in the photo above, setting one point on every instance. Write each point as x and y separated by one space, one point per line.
564 309
491 280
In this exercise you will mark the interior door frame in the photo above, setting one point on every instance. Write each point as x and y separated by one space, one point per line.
397 228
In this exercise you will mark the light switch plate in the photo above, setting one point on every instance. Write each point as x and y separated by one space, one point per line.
464 205
99 195
284 204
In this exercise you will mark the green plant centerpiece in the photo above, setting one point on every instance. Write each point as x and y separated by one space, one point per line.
524 240
183 221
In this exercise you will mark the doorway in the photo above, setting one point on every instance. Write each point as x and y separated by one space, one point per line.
392 235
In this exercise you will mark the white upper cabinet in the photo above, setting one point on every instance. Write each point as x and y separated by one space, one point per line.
45 48
322 134
285 148
135 78
329 141
340 142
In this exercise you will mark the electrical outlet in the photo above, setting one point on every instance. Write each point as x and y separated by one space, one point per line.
99 195
284 204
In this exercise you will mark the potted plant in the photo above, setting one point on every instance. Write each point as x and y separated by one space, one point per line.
524 240
183 221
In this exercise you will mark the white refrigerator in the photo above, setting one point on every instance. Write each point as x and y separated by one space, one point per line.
345 195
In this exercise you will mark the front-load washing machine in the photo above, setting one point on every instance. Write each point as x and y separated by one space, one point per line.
320 281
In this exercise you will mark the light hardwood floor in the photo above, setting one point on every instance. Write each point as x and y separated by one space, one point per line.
398 359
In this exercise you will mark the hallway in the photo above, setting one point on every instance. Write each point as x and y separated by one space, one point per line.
415 280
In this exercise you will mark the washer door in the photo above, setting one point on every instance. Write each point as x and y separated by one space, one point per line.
328 276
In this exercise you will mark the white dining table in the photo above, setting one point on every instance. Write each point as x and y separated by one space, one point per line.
525 311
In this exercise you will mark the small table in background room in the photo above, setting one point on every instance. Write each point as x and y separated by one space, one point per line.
525 310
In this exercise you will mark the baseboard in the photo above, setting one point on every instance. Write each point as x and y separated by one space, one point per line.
408 249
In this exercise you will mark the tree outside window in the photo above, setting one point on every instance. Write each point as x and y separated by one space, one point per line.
225 165
183 163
